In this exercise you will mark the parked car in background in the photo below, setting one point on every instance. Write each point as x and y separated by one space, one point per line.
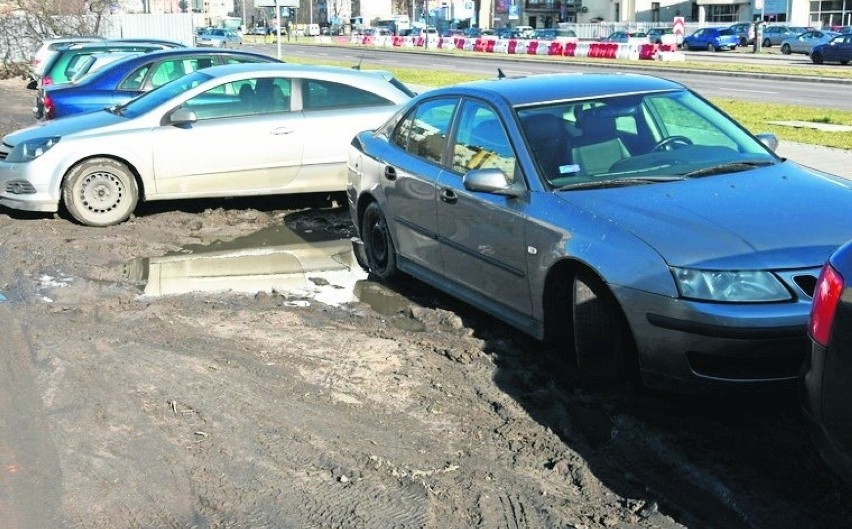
224 131
744 32
549 34
664 35
219 38
838 49
826 394
72 60
711 39
119 82
775 35
627 37
48 48
804 42
844 30
619 215
526 32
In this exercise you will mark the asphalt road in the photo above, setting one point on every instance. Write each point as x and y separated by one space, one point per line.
823 94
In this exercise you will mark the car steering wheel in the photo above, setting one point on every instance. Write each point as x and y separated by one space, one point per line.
670 143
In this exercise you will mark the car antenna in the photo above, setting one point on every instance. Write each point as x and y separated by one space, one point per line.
500 74
358 66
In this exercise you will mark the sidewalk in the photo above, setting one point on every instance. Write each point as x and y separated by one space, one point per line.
834 161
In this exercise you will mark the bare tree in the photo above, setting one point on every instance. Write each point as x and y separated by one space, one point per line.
26 22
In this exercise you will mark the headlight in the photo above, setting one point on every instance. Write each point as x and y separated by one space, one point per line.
743 286
31 149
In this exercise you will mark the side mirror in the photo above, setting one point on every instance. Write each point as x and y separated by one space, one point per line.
181 116
490 181
769 140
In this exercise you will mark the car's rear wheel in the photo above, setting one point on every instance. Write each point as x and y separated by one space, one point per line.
711 47
602 340
785 49
844 63
100 192
743 41
767 43
378 245
816 57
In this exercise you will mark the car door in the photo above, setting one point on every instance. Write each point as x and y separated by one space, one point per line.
334 113
412 166
482 235
239 144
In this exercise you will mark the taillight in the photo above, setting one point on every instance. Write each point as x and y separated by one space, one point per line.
826 296
46 81
49 109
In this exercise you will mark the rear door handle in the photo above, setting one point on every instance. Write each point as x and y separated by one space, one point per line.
390 172
449 196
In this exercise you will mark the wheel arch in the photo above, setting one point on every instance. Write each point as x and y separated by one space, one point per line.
557 305
140 183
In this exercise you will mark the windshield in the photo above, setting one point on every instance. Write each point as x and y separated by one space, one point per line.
640 138
156 97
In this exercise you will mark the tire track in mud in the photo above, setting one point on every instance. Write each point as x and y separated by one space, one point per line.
30 488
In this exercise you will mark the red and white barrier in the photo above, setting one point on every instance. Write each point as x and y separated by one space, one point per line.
563 48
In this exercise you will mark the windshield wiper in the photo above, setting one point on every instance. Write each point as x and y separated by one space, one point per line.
619 182
730 167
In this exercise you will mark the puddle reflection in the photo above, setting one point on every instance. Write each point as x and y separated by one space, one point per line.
300 266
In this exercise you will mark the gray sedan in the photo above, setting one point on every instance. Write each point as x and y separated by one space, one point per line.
234 130
621 216
804 42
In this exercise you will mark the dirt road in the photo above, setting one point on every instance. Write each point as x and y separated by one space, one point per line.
327 400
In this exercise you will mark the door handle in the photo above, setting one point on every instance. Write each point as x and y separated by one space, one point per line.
278 131
390 172
449 196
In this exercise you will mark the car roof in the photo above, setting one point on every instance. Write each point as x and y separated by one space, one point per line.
296 70
540 89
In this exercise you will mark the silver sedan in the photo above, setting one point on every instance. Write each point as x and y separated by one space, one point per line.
804 42
234 130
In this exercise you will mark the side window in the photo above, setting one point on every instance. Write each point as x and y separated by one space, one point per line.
319 95
168 71
423 132
240 98
135 79
482 142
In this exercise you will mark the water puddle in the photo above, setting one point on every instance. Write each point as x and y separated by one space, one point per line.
302 265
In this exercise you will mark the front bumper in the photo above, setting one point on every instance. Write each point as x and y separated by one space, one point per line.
689 346
21 190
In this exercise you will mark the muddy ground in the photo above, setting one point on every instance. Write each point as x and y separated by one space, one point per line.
333 401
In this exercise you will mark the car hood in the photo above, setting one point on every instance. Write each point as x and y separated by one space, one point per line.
66 126
779 217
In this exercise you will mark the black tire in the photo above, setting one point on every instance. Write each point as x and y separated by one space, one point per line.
602 340
844 63
816 58
785 49
378 244
743 42
767 43
100 192
711 47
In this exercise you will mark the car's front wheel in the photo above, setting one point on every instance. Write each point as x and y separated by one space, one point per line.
816 57
378 245
785 49
711 47
100 192
602 340
767 43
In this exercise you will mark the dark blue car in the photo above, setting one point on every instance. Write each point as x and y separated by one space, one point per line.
711 39
826 393
838 49
124 80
